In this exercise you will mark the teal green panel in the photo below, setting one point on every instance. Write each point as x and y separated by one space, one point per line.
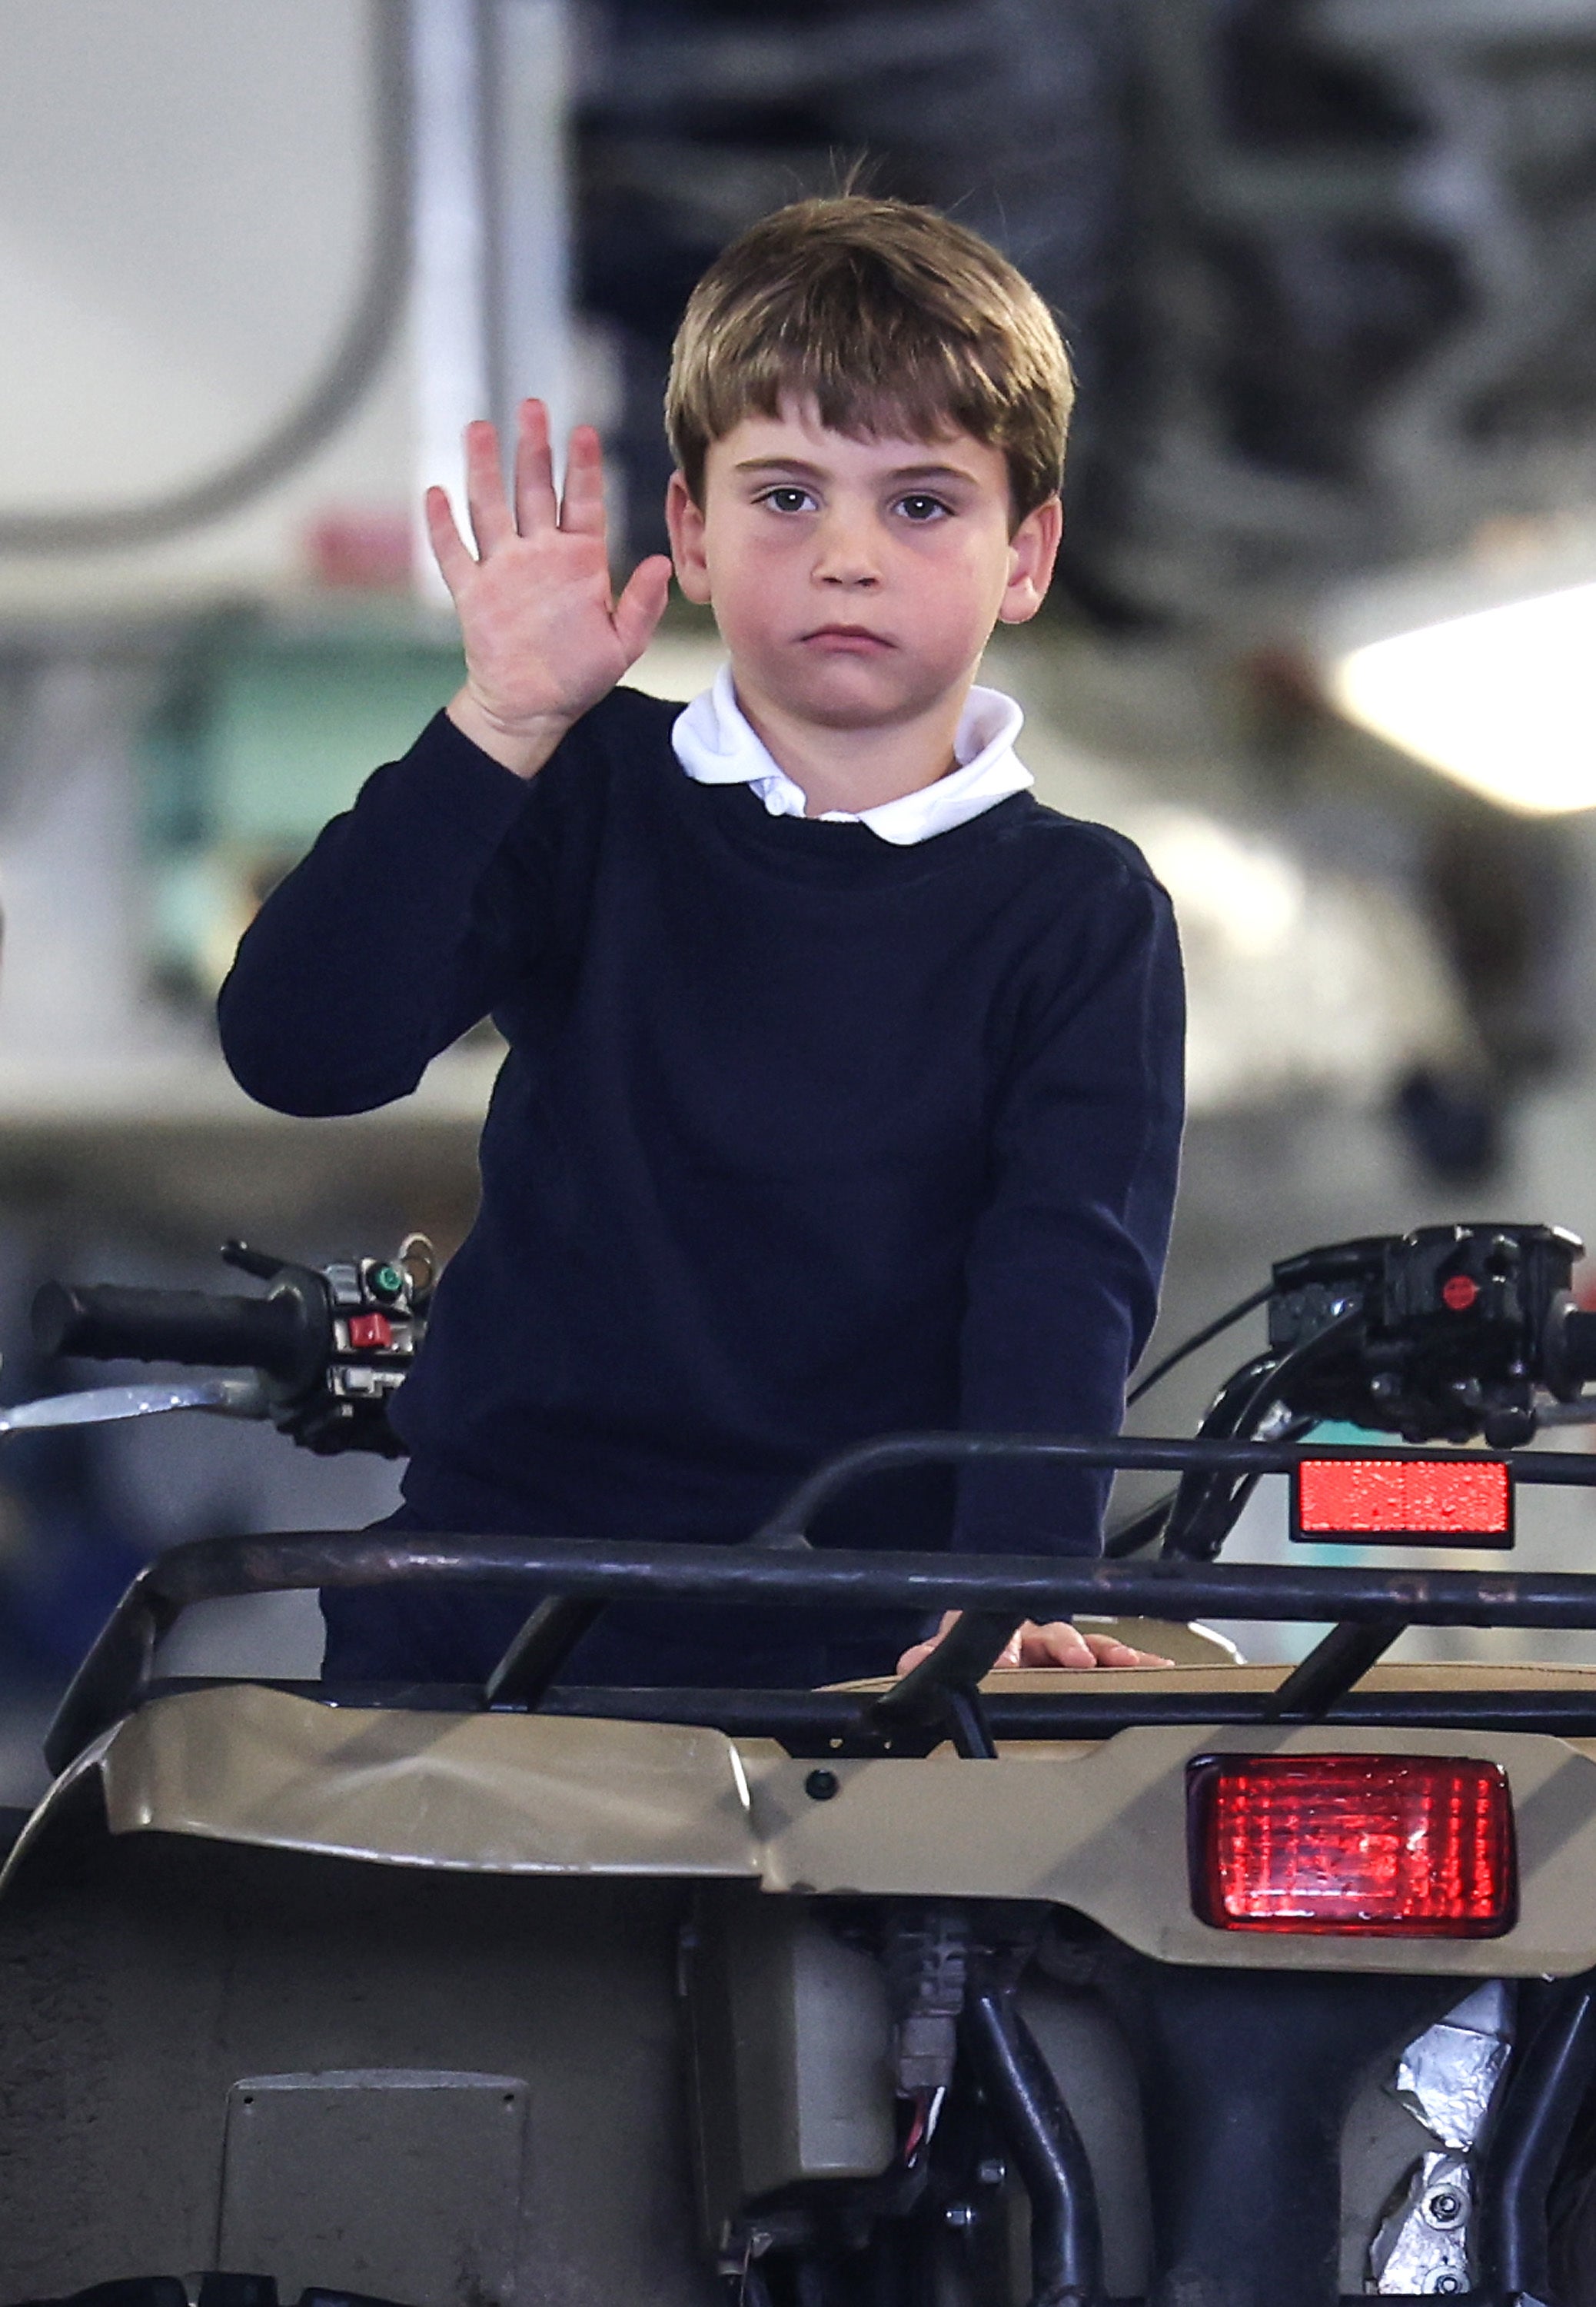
293 735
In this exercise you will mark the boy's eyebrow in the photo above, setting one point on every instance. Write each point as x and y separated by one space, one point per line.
817 472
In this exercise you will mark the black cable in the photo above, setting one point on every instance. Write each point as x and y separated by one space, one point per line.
1129 1538
332 396
1198 1338
1198 1524
1195 1493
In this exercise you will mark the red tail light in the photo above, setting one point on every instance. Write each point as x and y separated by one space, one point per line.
1464 1502
1386 1846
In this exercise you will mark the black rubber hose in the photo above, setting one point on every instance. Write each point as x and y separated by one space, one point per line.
1196 1494
969 1649
1066 2235
1206 1508
106 1323
525 1673
1544 2095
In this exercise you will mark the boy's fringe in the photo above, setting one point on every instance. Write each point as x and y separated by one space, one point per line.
891 320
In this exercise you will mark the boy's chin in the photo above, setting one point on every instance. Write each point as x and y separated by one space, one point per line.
854 695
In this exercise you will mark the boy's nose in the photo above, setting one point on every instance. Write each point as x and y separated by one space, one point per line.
845 556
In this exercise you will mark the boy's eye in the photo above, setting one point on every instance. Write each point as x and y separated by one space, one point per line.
921 508
787 497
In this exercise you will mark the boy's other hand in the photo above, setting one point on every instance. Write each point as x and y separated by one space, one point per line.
545 636
1057 1644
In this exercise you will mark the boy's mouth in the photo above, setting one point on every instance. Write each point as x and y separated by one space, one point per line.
845 637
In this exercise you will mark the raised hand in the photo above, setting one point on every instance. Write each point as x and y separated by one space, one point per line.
545 636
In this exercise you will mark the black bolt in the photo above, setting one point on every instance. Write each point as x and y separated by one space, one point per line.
820 1786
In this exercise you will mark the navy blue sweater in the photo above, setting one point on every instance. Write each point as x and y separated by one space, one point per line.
801 1137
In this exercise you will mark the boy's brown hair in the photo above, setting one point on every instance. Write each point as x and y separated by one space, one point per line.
893 319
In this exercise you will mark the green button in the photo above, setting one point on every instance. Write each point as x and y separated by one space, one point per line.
385 1280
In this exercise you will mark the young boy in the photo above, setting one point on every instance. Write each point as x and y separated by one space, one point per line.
844 1079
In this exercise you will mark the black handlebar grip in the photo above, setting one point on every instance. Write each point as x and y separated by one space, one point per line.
110 1323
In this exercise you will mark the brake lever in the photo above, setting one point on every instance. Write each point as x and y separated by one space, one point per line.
226 1397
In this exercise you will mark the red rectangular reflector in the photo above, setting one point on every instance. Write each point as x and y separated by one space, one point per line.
1381 1845
1416 1502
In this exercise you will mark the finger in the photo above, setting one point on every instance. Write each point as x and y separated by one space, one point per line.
642 605
1109 1651
1057 1644
450 550
582 507
536 506
919 1650
492 521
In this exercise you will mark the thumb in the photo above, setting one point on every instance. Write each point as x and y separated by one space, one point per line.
642 605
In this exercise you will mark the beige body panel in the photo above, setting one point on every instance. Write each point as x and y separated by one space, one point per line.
254 1765
1099 1827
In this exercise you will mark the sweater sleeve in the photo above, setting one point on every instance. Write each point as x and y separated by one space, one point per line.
391 939
1064 1267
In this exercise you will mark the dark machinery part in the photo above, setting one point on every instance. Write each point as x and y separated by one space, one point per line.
331 1344
789 2035
1245 2083
1036 2127
1451 1330
1439 1335
215 2290
926 1955
1545 2093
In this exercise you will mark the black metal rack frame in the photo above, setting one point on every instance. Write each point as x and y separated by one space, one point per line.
995 1592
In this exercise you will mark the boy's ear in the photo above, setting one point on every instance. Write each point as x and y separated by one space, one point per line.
1032 550
685 520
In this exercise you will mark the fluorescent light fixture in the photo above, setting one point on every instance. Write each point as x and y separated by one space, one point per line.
1503 699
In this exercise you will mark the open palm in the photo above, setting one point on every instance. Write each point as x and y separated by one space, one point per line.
545 636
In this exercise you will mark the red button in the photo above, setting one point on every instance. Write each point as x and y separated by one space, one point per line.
1460 1292
370 1330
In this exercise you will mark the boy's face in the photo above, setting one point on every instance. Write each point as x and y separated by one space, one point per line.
856 582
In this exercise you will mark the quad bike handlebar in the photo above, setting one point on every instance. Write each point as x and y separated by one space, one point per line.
105 1322
330 1343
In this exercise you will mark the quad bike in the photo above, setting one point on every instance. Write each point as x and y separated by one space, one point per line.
1203 1986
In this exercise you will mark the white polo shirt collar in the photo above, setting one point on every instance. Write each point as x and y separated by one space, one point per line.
716 744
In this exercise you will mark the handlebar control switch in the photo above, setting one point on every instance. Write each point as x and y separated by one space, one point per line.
1441 1334
332 1344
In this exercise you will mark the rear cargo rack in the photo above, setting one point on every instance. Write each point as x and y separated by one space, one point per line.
995 1592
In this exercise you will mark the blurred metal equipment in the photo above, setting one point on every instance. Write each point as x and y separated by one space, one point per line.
696 117
1369 304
